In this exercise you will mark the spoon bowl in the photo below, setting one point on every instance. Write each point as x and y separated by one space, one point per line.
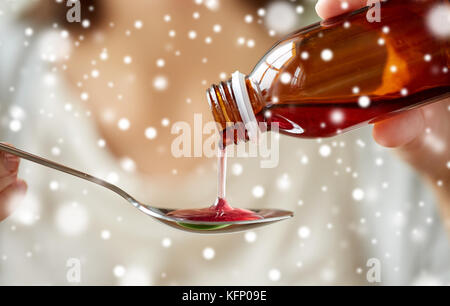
269 216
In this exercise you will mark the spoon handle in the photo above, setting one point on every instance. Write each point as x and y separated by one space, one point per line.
65 169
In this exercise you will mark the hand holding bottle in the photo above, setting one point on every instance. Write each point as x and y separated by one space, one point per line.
421 136
11 188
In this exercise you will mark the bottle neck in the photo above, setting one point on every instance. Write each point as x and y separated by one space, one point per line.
234 104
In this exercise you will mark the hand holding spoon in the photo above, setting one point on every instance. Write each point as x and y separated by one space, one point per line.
268 216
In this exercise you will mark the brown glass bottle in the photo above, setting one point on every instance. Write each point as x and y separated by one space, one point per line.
335 75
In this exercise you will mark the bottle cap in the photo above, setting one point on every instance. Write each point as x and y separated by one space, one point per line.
244 105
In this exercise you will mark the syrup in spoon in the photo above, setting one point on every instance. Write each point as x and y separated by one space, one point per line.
221 211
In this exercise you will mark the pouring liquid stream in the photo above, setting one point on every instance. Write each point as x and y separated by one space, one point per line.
221 211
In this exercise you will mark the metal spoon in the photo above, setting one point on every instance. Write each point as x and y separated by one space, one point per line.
203 227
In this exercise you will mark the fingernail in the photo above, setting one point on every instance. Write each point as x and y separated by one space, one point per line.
11 162
318 5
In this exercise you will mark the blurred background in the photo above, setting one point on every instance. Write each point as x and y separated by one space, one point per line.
102 95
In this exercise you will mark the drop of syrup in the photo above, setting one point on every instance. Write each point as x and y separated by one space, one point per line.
221 211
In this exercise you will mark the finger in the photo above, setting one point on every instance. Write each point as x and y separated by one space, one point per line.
7 180
8 164
400 130
330 8
11 197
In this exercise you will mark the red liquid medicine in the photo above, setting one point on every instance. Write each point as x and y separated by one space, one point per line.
219 212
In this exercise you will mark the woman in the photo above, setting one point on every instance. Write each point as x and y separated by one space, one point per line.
100 98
